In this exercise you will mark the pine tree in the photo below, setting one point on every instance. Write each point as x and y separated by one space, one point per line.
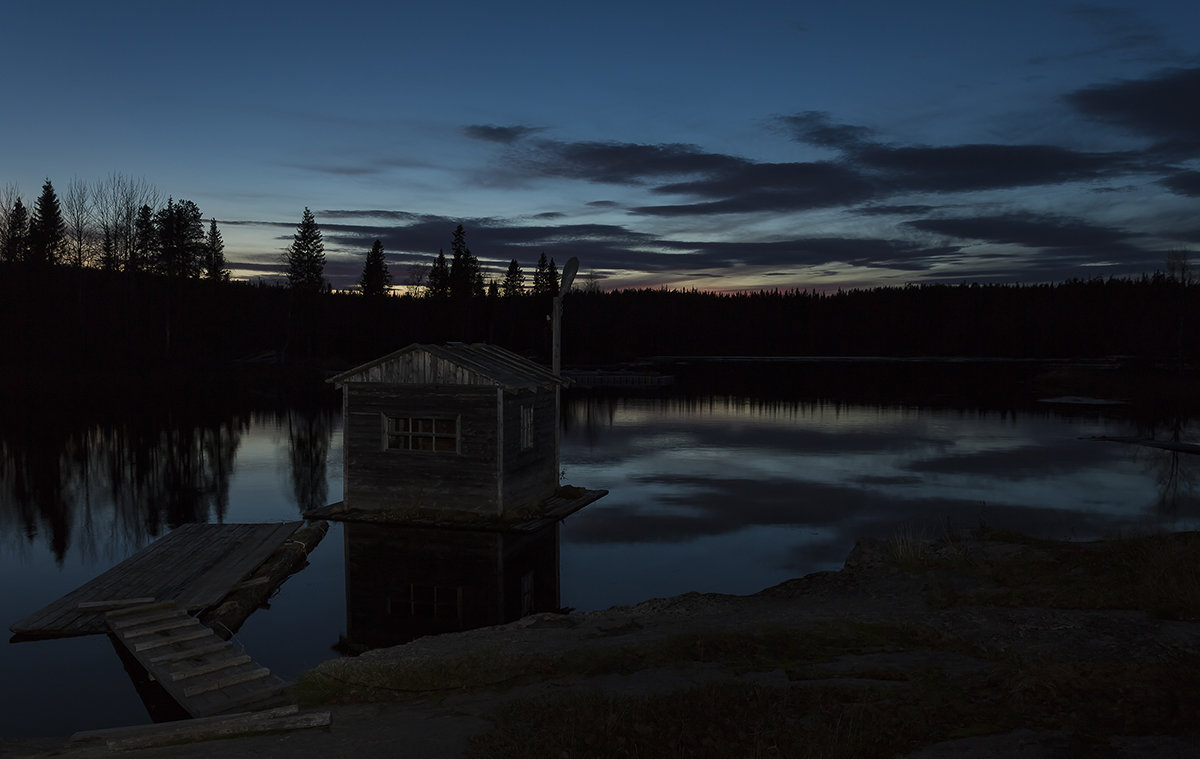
110 260
466 278
305 257
438 283
376 280
143 250
47 230
180 239
16 236
514 280
214 254
552 278
545 277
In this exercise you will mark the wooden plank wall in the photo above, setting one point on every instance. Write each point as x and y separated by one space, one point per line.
529 475
421 368
376 478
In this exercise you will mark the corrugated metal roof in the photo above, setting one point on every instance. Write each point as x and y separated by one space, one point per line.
483 363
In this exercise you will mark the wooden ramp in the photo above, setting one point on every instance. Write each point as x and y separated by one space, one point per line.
203 673
195 565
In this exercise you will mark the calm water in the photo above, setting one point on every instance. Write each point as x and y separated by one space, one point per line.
721 493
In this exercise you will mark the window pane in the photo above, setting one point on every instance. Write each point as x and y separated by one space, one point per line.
423 425
422 443
445 444
445 426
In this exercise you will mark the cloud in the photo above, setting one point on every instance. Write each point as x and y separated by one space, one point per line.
622 163
345 171
817 128
758 187
960 168
505 135
949 168
816 251
1033 231
1184 183
1163 108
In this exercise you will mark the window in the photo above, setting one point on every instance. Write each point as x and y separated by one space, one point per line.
526 427
408 433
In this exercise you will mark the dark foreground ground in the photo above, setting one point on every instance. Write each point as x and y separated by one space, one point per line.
988 645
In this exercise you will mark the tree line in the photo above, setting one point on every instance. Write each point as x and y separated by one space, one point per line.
115 224
66 301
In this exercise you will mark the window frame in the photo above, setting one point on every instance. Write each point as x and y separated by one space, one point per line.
526 411
425 427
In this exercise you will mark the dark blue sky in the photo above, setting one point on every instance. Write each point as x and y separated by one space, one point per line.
711 145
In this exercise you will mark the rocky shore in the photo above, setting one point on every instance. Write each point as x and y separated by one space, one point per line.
979 645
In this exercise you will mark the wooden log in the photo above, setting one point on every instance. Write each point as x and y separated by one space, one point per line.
254 591
220 731
205 728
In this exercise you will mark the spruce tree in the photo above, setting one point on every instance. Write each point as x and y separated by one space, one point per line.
438 283
214 254
143 250
376 280
514 280
545 277
552 278
47 230
305 257
180 239
466 278
16 236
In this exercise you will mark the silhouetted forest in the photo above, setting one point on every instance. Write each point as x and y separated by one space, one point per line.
62 322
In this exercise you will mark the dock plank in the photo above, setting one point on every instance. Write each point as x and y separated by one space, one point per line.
196 564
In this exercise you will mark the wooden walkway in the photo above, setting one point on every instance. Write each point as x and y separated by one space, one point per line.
203 673
195 565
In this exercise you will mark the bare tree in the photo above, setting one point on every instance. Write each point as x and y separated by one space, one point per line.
78 213
118 199
9 195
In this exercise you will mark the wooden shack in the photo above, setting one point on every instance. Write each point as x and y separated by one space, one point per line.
459 429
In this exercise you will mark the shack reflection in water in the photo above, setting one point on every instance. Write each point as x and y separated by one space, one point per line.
404 582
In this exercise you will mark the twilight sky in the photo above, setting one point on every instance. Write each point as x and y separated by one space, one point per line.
723 146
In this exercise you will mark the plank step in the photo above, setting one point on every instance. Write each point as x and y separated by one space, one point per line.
126 611
133 620
174 624
191 653
207 669
225 682
147 645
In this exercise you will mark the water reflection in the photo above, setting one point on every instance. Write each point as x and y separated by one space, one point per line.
309 433
789 485
406 582
107 487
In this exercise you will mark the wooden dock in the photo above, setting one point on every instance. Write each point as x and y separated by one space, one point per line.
203 673
195 565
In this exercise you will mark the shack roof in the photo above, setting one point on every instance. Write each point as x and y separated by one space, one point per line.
452 364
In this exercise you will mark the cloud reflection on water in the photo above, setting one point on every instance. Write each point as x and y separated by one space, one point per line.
787 488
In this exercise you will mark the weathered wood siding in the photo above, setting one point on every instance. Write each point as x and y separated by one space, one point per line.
529 475
422 368
377 478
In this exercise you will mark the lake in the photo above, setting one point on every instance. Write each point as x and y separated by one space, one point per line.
730 484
